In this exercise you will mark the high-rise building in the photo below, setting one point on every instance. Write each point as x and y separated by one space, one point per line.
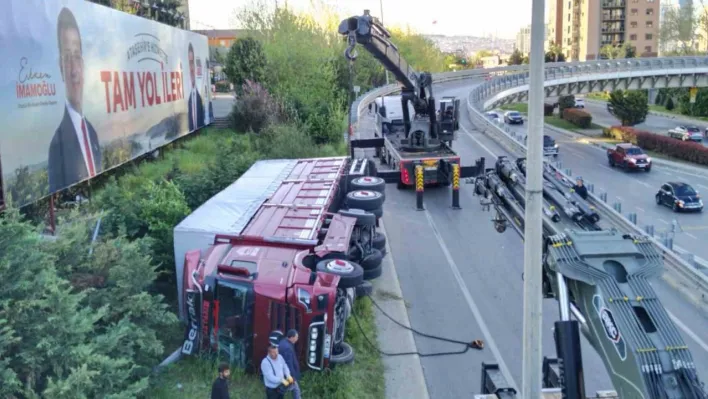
586 26
555 23
523 40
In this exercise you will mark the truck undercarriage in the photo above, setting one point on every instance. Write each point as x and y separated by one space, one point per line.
601 277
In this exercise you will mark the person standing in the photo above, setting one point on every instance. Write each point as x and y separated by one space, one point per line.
580 188
220 387
276 374
74 152
286 348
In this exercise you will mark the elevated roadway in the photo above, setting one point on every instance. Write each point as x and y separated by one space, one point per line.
463 280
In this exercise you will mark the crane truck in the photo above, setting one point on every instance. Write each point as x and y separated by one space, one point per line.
424 138
601 277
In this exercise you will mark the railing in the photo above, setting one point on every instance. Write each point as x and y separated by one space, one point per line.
695 281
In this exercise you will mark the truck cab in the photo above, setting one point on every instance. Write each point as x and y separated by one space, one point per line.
449 118
280 258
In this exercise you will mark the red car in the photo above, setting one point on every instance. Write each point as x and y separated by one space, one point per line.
629 157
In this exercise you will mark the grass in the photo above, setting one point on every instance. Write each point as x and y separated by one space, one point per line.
564 124
675 111
599 96
192 378
520 107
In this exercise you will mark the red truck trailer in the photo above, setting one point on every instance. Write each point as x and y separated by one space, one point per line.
280 250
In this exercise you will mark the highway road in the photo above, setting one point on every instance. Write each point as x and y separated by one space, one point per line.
637 190
653 123
462 280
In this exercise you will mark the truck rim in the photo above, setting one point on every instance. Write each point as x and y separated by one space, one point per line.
367 181
363 194
340 266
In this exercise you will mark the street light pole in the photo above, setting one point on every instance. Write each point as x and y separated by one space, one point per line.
533 229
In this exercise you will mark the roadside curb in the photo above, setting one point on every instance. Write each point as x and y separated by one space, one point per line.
403 374
605 146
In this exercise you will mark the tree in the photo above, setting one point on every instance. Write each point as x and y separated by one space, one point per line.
677 32
555 53
625 50
630 107
246 61
516 58
565 102
669 104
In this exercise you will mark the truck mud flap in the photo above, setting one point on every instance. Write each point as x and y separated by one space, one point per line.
367 143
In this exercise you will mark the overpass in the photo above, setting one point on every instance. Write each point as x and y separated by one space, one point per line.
481 290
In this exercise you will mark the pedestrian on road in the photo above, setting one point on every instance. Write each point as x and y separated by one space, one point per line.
286 348
220 387
276 374
580 188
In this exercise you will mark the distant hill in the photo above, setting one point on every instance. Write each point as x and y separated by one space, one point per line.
471 44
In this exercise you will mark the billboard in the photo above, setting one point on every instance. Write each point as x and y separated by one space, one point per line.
85 88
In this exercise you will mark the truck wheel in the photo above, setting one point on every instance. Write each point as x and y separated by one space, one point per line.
378 212
364 289
372 260
365 199
349 272
379 241
611 162
370 183
343 354
373 273
363 218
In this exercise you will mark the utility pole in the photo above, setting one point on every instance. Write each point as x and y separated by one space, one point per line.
533 229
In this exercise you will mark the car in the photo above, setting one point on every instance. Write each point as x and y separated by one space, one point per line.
629 157
679 196
579 103
494 116
513 118
686 133
550 148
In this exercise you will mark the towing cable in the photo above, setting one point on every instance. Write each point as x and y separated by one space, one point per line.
475 344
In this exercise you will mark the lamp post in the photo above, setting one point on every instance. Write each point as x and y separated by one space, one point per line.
533 229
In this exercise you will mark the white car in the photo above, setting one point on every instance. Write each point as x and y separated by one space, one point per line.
579 103
494 116
686 133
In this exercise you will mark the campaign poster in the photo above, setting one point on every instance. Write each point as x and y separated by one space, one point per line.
86 88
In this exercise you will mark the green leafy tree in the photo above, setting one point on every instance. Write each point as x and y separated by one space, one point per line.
555 53
678 33
669 104
516 58
625 50
246 60
565 102
630 107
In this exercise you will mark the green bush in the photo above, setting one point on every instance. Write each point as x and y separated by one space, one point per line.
548 109
222 86
255 109
684 150
577 117
669 104
565 102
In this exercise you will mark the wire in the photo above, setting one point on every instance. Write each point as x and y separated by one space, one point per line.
475 344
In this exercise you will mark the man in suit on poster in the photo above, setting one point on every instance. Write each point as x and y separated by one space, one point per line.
74 153
196 107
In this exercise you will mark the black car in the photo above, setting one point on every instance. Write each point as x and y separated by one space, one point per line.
513 118
679 197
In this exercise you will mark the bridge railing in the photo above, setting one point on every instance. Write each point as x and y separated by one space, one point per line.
681 271
504 78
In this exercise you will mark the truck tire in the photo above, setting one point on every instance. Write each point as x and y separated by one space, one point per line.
373 273
372 260
365 199
344 354
370 183
350 273
379 242
363 218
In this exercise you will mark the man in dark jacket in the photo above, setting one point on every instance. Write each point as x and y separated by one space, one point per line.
580 188
220 387
286 348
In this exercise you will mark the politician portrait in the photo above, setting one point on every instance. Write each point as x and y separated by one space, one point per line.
74 153
196 107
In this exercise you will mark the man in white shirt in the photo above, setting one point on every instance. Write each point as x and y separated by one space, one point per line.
74 153
275 373
194 100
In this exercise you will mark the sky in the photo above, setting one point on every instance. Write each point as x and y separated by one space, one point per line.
454 17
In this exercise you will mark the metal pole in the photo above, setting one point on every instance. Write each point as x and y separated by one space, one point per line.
382 21
532 372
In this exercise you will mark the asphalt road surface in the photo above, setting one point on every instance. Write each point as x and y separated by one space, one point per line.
462 280
653 123
637 190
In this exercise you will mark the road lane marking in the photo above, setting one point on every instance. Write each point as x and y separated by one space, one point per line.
484 147
702 186
642 183
471 303
688 331
640 209
690 235
663 221
619 198
577 154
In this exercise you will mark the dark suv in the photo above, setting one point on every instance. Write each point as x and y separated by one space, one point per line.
679 197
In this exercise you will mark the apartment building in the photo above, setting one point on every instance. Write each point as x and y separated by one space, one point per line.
523 40
588 25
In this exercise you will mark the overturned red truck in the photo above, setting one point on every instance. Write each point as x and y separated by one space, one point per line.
289 245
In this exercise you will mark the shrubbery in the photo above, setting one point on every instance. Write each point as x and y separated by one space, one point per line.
684 150
577 117
255 109
548 109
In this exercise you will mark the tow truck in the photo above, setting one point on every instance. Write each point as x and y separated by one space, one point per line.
601 277
426 138
289 245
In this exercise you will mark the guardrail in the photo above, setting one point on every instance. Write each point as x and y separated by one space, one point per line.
683 272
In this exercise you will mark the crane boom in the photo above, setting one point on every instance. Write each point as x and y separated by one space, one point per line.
601 277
